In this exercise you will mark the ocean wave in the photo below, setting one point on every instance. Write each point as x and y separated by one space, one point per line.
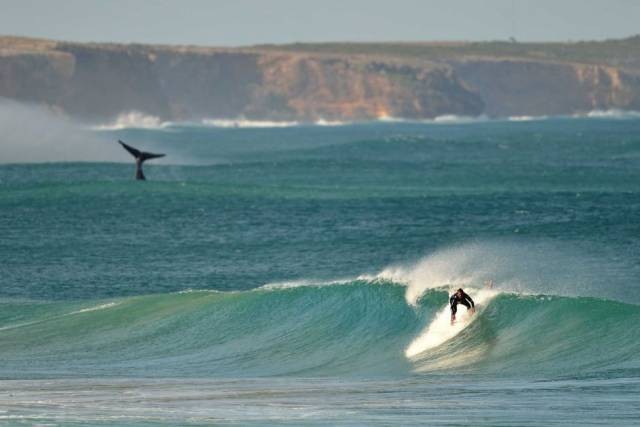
304 283
442 119
526 118
552 269
138 120
525 335
357 327
324 122
96 307
530 299
610 114
453 118
244 123
133 120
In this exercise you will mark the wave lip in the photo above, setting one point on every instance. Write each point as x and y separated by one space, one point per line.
306 283
94 308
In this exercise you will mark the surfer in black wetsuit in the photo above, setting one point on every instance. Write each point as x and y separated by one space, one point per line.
460 297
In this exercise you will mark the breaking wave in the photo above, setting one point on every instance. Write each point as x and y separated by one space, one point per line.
526 118
352 328
611 114
442 119
243 123
396 322
133 120
138 120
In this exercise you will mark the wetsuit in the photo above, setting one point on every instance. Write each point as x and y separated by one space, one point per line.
463 299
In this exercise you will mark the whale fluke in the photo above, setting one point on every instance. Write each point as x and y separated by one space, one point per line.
140 157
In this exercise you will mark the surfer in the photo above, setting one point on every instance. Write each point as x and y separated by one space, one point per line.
460 297
140 157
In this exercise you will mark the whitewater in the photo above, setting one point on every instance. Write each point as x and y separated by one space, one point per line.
299 274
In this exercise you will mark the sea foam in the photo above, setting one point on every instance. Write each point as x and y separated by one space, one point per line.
611 114
244 123
133 120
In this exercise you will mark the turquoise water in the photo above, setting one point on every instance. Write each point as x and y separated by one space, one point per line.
300 275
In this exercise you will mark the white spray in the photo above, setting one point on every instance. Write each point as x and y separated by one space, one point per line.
33 133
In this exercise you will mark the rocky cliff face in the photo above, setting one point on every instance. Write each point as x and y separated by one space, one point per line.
308 87
99 81
525 87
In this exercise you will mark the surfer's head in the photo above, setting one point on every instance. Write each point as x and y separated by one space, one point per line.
460 291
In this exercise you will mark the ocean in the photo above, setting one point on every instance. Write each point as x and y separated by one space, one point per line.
292 274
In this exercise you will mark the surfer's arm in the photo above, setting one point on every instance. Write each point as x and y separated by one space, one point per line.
468 298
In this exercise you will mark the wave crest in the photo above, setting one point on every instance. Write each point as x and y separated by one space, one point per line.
612 114
133 120
533 268
244 123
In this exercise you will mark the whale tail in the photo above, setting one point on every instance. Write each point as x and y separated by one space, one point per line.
140 156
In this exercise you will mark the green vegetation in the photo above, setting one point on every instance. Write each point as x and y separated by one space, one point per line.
624 52
619 53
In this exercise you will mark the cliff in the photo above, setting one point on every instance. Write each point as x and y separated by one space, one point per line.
525 87
331 81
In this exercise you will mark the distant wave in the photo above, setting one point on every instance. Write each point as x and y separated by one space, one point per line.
611 114
458 119
244 123
452 118
133 120
323 122
526 118
138 120
594 114
442 119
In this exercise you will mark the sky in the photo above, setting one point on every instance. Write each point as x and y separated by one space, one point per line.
248 22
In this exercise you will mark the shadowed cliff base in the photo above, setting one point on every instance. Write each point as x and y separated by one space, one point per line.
333 81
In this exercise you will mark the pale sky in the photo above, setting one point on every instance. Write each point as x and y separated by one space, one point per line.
246 22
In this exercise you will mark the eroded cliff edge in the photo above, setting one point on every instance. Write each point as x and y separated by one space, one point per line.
310 82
